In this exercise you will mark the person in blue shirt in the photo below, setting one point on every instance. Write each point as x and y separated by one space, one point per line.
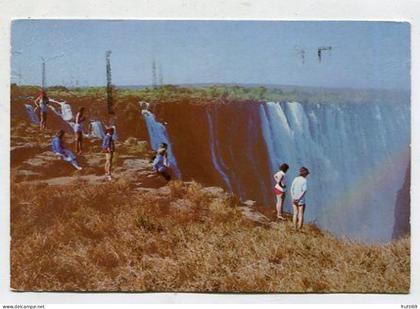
161 163
108 147
64 153
298 192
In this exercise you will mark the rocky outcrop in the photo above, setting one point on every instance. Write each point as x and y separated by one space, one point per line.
402 209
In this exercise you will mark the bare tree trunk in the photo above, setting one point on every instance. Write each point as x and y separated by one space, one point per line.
109 83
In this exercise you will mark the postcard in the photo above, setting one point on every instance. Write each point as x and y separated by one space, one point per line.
210 156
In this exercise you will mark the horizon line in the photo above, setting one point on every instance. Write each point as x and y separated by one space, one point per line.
210 84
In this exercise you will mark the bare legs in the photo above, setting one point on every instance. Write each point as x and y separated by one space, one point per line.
279 205
298 212
43 120
79 142
108 164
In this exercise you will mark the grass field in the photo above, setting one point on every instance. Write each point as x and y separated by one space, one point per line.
113 238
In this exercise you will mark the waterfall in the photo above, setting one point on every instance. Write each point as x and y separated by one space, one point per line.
158 134
357 155
215 153
31 114
96 129
66 112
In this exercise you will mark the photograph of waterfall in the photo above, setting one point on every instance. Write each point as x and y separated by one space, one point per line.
210 156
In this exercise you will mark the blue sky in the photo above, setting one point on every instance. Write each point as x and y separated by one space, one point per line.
363 55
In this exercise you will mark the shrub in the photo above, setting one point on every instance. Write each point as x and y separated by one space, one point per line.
177 189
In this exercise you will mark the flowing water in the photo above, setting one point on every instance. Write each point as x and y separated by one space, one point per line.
357 155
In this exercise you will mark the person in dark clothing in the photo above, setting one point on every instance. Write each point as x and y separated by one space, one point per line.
161 163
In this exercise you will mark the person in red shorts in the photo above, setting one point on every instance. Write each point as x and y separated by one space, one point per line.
280 189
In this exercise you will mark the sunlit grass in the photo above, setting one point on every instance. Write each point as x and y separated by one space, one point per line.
111 238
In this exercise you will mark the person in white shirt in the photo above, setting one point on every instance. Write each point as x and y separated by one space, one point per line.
280 189
298 192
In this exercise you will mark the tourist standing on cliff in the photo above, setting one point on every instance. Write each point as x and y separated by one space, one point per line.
41 103
108 147
78 130
280 189
161 162
298 192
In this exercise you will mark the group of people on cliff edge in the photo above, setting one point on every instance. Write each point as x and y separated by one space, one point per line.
160 162
298 192
42 103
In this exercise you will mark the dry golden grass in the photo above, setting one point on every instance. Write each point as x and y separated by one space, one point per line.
111 238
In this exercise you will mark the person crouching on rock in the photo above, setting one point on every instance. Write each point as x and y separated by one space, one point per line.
60 150
108 147
161 163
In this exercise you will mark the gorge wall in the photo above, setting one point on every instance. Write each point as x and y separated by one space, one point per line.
220 144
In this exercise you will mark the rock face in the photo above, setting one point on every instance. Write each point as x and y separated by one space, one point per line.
402 209
220 144
126 114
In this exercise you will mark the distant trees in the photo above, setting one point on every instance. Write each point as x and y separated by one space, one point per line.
57 88
224 93
261 92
